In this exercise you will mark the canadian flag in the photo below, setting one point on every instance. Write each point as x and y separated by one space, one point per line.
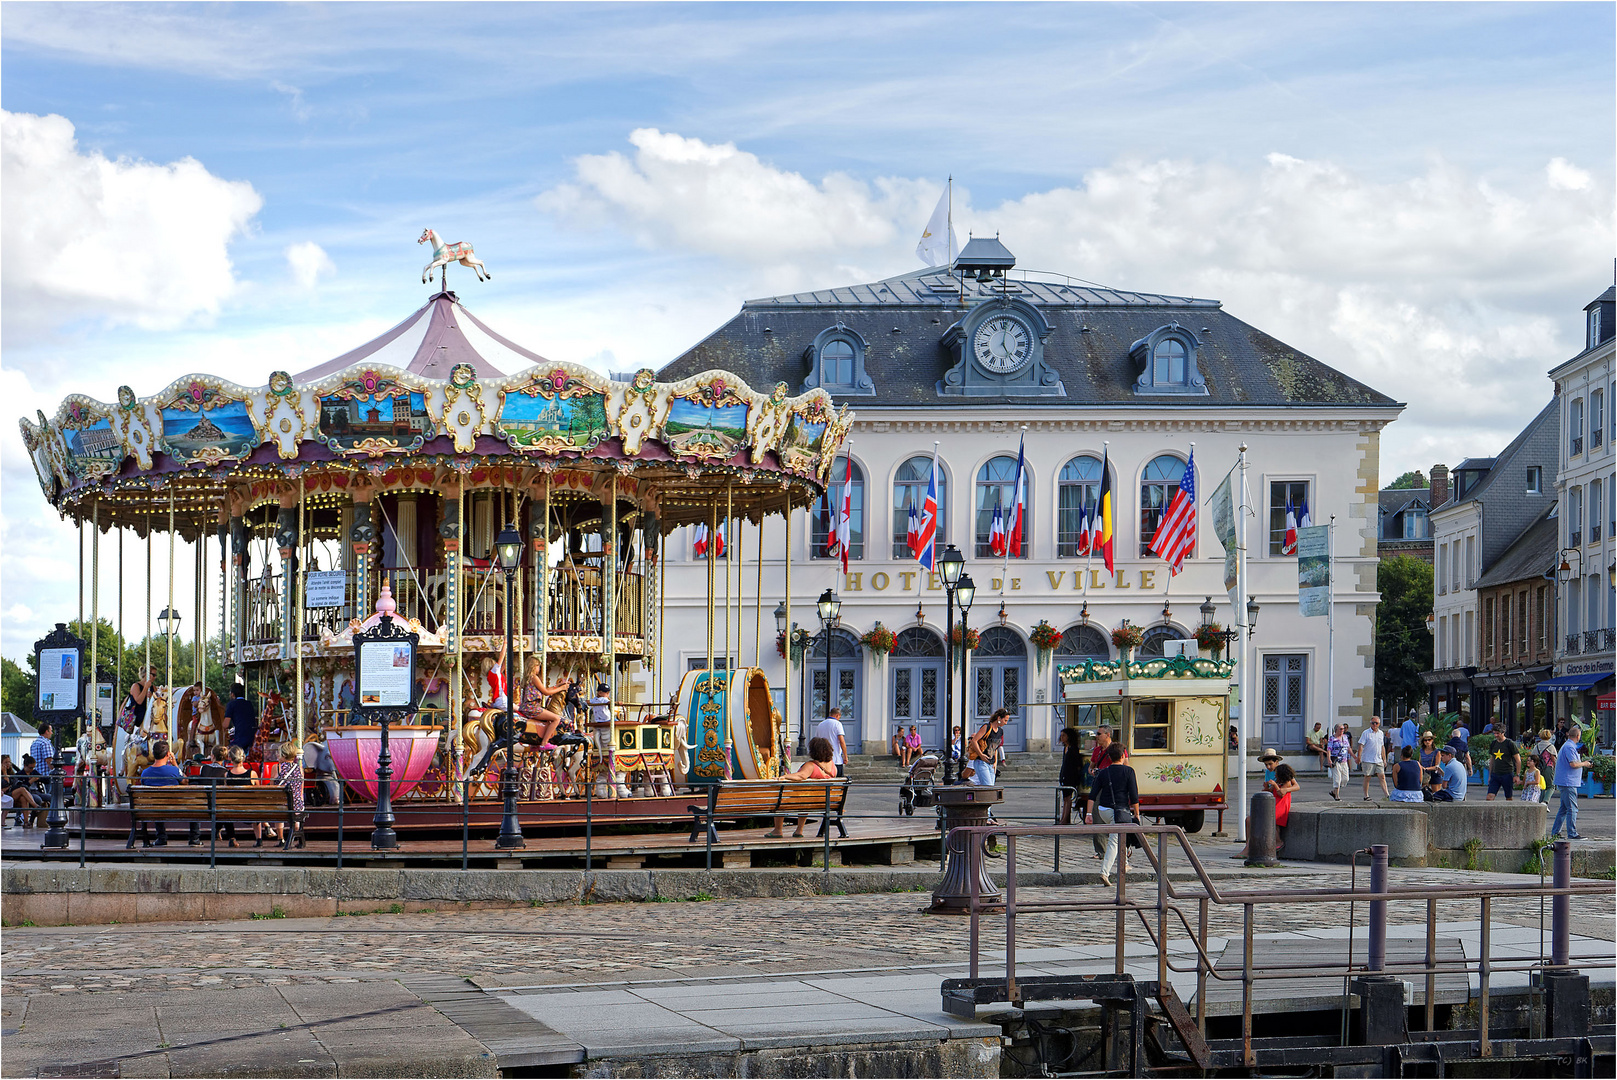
996 532
1289 547
701 541
1083 531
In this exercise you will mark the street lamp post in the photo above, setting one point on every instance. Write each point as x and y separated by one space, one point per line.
951 563
829 609
965 592
508 547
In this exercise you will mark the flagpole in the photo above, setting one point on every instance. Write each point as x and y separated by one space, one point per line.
1244 669
1330 623
1089 556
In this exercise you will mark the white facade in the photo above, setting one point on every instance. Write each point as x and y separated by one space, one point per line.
1584 489
1457 539
1334 452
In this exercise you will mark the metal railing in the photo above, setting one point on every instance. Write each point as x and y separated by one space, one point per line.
1166 908
1573 644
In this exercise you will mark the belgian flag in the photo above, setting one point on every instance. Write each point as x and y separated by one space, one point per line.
1103 514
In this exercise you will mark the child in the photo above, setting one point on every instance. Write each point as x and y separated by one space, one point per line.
1532 782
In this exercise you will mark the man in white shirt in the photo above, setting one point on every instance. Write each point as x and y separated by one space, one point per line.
1373 757
830 729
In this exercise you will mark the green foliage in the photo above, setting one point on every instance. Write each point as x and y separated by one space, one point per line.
17 689
276 912
1414 478
1535 861
1403 644
1481 749
1473 847
1603 767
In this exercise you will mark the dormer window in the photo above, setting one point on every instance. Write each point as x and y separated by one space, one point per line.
1167 359
1594 326
836 362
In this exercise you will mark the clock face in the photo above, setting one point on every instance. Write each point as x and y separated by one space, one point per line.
1002 344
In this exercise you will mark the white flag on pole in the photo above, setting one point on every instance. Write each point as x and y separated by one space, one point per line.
937 246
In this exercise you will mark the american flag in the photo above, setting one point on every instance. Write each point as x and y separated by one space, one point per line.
1176 533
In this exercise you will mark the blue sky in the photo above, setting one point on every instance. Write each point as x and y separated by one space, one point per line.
238 188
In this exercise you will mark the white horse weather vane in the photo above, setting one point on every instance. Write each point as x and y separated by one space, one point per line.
443 254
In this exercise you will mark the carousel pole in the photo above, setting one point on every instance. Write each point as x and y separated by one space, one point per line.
95 634
662 612
758 602
729 561
198 599
791 632
81 575
147 666
302 593
168 632
609 599
457 693
542 564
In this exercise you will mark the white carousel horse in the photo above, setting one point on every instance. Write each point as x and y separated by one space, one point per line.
447 253
318 766
131 750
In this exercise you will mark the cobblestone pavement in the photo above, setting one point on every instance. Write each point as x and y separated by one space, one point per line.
617 941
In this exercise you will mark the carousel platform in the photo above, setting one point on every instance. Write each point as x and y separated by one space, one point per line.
884 842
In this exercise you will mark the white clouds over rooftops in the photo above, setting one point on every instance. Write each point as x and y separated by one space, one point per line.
1441 278
117 241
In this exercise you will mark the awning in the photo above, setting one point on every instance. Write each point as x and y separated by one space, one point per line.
1573 682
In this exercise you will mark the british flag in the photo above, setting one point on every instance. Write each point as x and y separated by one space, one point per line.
927 535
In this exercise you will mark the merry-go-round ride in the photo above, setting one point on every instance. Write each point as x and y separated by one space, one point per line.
388 480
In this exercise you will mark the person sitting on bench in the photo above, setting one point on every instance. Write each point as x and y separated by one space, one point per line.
162 772
817 767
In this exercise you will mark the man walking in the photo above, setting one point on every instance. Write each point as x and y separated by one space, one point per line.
43 749
1373 756
830 729
1502 770
1569 768
243 721
1114 799
1409 731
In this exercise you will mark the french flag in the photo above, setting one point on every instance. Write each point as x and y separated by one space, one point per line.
1013 541
1304 520
912 534
701 541
1289 547
718 543
927 535
996 532
1083 531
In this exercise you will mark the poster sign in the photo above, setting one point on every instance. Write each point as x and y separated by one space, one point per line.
103 704
1222 505
59 679
1314 570
386 673
325 588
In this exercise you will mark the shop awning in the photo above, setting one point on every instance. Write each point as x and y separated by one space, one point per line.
1573 682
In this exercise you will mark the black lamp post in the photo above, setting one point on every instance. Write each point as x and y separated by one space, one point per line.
168 622
508 549
1229 633
965 592
952 563
829 609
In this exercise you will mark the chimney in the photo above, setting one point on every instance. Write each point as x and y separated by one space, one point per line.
1440 485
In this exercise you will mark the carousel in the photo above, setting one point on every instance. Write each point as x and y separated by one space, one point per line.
510 510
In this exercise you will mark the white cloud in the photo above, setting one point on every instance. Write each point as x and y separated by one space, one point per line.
1442 289
1565 176
309 263
85 237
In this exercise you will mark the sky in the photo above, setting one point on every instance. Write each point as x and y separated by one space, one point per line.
1419 195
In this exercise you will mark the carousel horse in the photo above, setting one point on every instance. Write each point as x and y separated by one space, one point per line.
272 729
200 720
447 253
321 770
131 750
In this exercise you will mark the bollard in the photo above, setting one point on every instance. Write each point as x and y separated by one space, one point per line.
1383 1016
56 816
1378 908
964 805
1561 907
1262 835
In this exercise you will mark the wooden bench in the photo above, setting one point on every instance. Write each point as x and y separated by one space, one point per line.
736 799
212 802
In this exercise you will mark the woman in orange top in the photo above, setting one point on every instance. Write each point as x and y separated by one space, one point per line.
817 767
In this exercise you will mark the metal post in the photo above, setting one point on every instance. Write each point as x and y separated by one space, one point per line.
825 830
1484 970
465 818
1262 833
382 835
948 685
589 821
1010 916
56 816
1377 960
1162 908
84 808
510 837
213 823
1201 966
1247 1056
1431 965
339 825
1561 907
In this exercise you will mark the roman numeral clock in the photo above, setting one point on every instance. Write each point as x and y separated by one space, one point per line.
997 350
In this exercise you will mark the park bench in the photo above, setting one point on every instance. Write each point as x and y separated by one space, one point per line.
213 803
734 800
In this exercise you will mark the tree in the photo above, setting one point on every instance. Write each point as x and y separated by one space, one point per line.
1403 644
18 689
1414 478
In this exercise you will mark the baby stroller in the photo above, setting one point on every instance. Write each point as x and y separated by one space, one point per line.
916 790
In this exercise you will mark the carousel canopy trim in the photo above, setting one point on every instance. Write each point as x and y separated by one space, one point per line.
205 439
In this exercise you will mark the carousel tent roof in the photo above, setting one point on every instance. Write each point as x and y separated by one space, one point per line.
430 342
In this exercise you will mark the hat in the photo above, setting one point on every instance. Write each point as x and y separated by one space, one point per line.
1427 735
1269 754
1448 748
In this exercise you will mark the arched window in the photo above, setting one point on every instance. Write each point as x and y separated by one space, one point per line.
996 486
909 489
829 509
836 364
844 646
1157 485
917 641
1155 638
1078 491
1168 363
1082 642
1000 641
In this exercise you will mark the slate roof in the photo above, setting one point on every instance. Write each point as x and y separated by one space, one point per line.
1497 466
1530 555
429 343
1395 500
903 319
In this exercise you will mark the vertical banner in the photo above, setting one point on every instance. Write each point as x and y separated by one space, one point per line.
1222 505
1314 570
